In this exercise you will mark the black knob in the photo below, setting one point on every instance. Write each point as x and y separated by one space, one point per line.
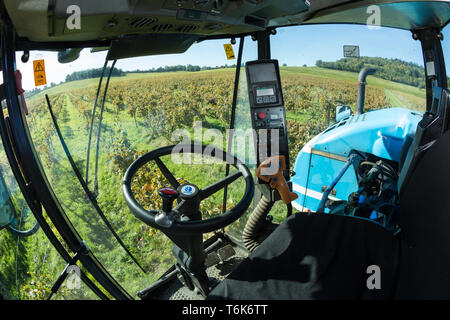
168 195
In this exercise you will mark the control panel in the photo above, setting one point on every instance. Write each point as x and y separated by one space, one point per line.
267 110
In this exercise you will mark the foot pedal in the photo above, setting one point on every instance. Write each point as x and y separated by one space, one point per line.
212 259
226 252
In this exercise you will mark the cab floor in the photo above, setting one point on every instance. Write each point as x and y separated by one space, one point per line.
221 265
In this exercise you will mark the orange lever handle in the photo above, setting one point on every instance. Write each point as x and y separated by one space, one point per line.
271 171
279 182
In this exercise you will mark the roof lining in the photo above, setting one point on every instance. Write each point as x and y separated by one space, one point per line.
307 19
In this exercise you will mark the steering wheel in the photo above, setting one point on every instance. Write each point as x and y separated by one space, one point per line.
176 226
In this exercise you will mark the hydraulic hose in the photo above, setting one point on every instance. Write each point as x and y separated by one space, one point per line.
25 233
323 201
251 234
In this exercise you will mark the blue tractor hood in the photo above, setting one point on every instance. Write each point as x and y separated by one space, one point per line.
380 132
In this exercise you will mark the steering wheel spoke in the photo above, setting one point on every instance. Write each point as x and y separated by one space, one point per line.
179 205
166 172
215 187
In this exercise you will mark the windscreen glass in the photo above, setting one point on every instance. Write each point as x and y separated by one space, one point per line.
150 102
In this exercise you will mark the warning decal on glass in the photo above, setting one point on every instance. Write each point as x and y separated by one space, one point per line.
39 73
229 51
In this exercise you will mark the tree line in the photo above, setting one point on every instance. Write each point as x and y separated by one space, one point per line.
94 73
188 68
389 69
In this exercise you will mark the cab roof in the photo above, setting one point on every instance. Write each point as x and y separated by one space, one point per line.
173 25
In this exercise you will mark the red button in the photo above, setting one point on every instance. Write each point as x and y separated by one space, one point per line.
261 115
168 191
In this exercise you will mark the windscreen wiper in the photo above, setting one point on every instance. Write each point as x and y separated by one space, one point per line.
92 121
100 128
85 187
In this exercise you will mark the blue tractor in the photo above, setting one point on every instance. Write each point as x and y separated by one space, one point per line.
351 167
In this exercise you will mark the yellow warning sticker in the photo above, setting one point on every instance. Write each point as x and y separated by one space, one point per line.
229 51
39 73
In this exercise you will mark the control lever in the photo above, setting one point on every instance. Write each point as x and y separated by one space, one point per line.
168 195
271 171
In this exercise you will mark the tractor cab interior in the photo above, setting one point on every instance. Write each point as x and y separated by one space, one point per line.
162 182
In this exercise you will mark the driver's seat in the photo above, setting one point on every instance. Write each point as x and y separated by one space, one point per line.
317 256
322 256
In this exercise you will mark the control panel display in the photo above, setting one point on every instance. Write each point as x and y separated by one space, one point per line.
263 72
267 109
261 92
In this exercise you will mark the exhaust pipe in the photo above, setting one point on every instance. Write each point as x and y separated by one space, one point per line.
362 88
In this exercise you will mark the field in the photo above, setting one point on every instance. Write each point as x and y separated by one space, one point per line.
141 113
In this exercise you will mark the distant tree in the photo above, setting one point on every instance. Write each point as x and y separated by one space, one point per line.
192 68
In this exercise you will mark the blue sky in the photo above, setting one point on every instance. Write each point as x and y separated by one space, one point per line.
294 46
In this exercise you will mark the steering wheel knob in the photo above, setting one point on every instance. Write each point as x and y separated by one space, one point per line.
168 192
168 195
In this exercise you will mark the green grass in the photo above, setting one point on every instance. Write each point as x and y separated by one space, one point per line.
297 117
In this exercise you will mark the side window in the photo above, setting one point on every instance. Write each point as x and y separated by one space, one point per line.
29 264
446 49
151 102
